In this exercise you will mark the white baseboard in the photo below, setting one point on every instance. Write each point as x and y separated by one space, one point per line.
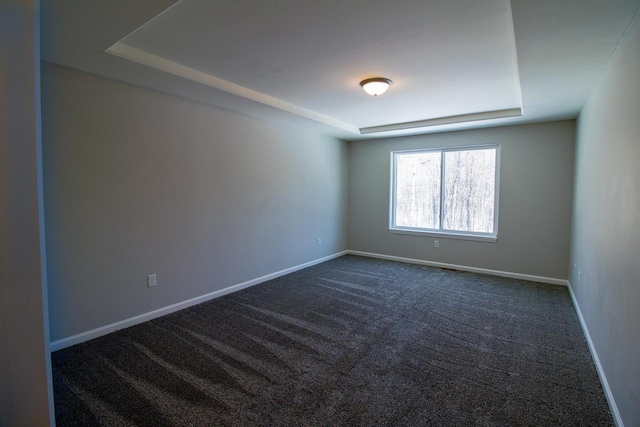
107 329
594 354
596 360
528 277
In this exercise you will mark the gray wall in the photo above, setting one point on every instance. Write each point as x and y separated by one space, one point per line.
140 182
606 224
25 372
536 178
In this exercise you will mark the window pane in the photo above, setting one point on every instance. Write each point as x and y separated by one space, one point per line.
469 191
418 189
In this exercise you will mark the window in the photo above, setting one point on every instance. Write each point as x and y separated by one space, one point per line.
449 191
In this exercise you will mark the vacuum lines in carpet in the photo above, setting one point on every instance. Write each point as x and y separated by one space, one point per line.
351 342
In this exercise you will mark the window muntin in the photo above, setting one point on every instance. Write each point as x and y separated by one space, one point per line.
452 191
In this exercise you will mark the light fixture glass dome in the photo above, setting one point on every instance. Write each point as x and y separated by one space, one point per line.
376 86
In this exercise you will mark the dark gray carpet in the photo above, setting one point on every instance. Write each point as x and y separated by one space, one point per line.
353 341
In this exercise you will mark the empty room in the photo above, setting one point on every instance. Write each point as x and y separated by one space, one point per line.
304 213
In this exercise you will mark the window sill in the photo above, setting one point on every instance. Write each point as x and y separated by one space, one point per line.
444 234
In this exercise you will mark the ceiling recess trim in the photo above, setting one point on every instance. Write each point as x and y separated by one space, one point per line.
124 51
139 56
473 117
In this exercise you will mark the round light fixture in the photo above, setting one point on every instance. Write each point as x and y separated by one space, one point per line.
376 86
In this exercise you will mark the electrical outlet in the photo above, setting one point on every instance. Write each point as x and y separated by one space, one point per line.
151 280
436 243
319 241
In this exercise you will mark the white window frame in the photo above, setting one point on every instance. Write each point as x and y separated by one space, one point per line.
463 235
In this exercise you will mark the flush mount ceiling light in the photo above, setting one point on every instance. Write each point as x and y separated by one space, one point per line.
376 86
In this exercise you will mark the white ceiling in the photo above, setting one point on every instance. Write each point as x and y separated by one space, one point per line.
453 62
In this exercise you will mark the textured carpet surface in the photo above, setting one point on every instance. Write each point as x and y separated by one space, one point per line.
353 341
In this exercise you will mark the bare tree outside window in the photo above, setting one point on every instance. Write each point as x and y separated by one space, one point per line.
418 189
446 190
469 190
